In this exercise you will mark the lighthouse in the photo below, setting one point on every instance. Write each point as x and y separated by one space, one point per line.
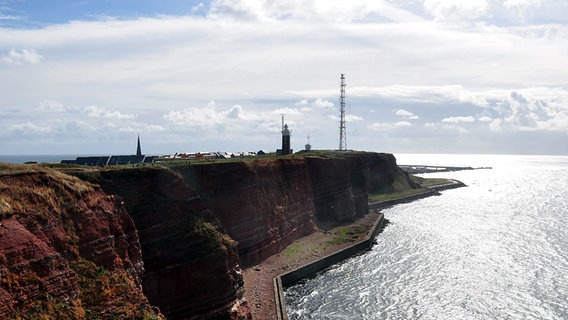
285 140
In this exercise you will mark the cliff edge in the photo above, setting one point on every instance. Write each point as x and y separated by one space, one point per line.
98 242
67 250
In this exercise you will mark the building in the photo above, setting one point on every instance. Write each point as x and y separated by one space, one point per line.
285 140
308 145
101 161
138 149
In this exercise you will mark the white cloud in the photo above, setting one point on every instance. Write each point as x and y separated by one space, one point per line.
458 119
197 117
495 125
352 118
406 114
331 10
456 10
25 56
260 58
31 129
455 128
401 124
98 112
198 7
321 103
286 112
137 128
51 106
317 103
383 126
348 118
528 111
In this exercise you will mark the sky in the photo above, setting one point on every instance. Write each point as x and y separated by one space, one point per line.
423 76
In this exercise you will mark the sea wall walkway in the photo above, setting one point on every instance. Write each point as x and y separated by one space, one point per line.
309 270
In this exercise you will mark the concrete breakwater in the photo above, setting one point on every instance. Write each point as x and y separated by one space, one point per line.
417 169
430 191
309 270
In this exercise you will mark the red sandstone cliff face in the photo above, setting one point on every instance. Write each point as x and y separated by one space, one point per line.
341 185
53 230
187 219
191 266
264 204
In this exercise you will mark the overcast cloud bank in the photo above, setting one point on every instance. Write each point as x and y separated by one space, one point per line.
480 76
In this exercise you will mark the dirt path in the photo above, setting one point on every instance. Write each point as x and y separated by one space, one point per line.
259 291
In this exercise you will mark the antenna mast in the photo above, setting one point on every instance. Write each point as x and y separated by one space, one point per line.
342 137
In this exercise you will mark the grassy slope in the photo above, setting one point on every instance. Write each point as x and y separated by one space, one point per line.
103 294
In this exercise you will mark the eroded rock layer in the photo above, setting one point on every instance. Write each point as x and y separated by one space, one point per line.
191 266
53 229
178 232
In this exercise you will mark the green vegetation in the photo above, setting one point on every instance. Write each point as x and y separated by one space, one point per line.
395 195
45 193
343 235
209 235
430 182
292 249
110 295
401 187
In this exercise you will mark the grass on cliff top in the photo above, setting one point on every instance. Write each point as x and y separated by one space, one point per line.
401 186
402 189
27 189
431 182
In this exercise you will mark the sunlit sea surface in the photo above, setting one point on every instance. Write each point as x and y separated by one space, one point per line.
496 249
40 158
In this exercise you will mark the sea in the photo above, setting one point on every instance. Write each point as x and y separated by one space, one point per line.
39 158
495 249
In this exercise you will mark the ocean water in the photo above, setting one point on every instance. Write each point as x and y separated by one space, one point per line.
496 249
40 158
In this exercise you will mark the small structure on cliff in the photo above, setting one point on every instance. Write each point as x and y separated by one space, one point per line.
138 149
308 145
101 161
285 140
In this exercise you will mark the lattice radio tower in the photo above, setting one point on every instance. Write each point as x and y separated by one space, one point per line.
342 136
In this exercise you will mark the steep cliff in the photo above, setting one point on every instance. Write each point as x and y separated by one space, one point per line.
179 232
192 266
342 182
67 250
264 204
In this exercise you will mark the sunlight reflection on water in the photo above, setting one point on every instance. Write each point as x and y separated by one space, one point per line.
496 249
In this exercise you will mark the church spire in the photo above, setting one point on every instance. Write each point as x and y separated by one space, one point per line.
138 150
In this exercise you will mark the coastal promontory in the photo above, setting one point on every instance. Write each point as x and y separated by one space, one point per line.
168 240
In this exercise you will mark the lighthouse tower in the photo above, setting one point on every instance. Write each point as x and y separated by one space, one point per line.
285 140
